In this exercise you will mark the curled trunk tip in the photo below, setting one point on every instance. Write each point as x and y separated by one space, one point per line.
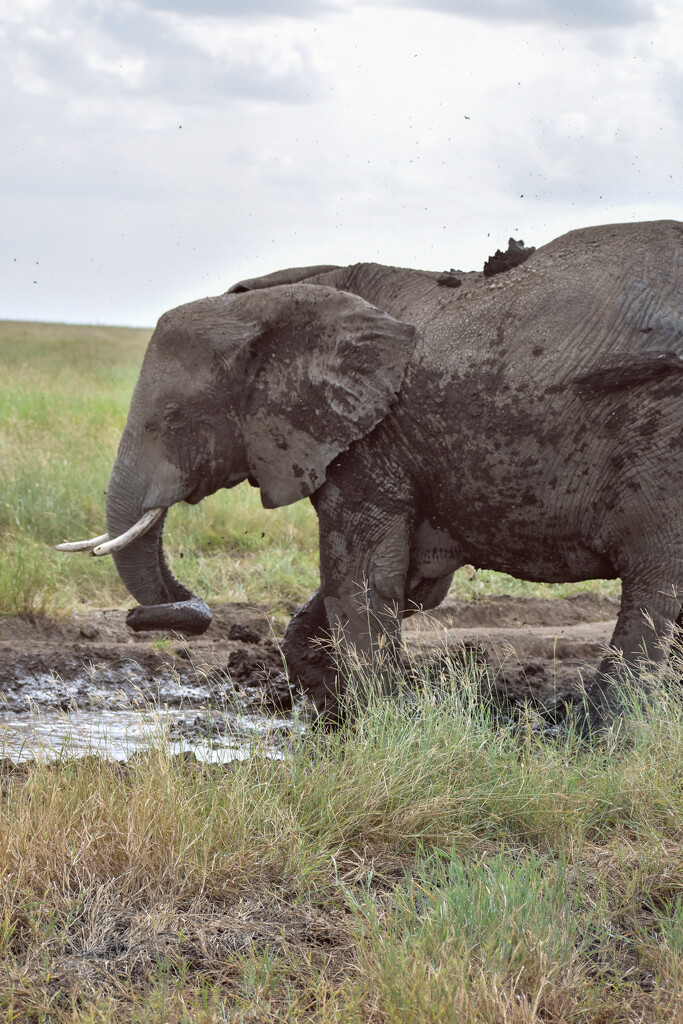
191 616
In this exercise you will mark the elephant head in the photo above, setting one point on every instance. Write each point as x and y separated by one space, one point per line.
265 385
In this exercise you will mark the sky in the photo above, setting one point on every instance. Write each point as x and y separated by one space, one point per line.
156 151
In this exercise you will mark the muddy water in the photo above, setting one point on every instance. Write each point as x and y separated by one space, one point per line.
64 696
45 716
210 734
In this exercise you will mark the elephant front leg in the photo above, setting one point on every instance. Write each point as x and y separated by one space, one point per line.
363 572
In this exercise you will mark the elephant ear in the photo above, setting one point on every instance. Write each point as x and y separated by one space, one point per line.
323 370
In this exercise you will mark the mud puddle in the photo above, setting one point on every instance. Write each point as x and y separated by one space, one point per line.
89 685
117 735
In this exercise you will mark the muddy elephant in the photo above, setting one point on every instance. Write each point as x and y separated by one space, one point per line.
530 423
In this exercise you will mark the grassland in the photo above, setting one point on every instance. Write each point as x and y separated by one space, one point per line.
64 395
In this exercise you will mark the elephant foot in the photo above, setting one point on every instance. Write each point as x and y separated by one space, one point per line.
320 672
604 708
313 673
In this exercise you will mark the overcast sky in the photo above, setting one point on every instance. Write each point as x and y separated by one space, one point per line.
154 151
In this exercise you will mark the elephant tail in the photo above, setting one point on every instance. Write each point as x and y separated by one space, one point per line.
630 372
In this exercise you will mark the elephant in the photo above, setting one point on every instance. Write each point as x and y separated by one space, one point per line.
529 423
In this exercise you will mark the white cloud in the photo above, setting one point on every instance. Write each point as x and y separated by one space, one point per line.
240 9
153 53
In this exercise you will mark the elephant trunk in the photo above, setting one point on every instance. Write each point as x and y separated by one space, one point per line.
164 602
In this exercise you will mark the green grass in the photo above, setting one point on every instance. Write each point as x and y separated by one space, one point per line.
64 395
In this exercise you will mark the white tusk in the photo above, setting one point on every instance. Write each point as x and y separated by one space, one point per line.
146 520
82 545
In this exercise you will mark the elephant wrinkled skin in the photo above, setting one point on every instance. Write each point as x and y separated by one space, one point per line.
528 423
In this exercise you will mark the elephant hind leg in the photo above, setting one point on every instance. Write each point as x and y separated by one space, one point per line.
650 610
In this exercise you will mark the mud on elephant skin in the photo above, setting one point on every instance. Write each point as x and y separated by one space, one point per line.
530 423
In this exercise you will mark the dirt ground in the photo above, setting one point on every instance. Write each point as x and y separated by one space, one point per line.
532 648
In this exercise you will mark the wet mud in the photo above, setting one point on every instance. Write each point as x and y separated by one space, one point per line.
89 683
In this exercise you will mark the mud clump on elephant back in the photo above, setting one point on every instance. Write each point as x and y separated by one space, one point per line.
449 279
515 254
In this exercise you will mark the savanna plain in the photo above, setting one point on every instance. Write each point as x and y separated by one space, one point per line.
438 858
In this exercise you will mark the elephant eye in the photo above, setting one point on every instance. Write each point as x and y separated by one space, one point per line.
173 415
